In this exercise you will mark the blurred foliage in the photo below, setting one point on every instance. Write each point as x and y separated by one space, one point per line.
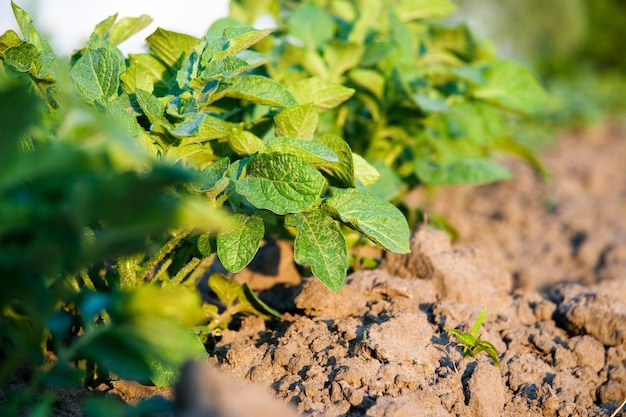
576 46
76 198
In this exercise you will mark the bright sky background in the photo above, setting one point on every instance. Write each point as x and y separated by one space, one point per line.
68 23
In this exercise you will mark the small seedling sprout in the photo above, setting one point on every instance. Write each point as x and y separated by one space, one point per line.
472 343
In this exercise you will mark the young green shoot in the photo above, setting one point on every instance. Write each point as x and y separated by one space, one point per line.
472 343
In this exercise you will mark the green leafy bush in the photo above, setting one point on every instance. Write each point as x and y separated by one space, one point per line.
103 199
251 140
578 58
431 104
75 196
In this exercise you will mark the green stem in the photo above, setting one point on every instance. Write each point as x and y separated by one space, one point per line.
227 314
160 255
182 274
87 280
199 271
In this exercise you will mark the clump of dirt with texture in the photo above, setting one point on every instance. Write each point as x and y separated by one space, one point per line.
546 258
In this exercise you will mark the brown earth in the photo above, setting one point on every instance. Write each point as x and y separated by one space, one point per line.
548 260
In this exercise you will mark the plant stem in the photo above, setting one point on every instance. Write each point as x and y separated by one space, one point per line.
228 313
182 274
160 255
87 280
202 267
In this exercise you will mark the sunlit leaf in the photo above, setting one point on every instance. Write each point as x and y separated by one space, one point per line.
297 122
321 245
513 86
238 243
325 95
281 183
309 151
376 218
97 74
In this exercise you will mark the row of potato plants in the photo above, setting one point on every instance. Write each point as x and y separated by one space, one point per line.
125 178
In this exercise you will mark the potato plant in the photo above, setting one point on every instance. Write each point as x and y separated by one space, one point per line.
119 191
432 104
250 140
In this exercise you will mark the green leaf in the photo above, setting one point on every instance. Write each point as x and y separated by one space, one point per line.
510 145
280 183
152 107
201 128
116 349
9 39
370 80
324 94
376 218
20 109
178 345
321 244
127 27
239 242
205 244
298 121
479 322
424 9
22 57
123 112
184 151
171 47
248 11
226 289
256 89
340 173
244 142
239 38
491 351
464 338
342 56
159 73
224 68
477 122
463 171
210 175
253 58
513 86
431 104
97 74
136 77
311 25
364 171
315 65
182 106
45 67
102 28
258 306
389 184
312 152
